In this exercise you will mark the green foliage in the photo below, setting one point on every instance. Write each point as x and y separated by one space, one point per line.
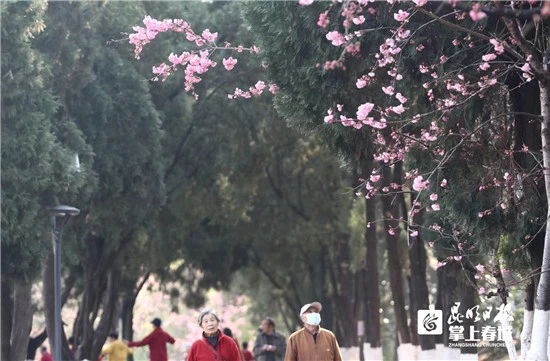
37 167
111 105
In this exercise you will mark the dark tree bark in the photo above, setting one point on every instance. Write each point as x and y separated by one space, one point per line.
22 319
7 320
371 279
418 283
343 285
456 285
390 209
108 316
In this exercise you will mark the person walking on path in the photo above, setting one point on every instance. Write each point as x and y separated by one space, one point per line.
312 343
247 355
270 345
227 331
46 356
116 350
213 345
156 341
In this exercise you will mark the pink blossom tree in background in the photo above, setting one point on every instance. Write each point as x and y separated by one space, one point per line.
153 302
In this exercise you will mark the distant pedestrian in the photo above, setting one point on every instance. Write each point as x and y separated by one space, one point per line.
116 350
270 345
72 346
213 345
46 356
312 343
247 355
156 341
227 331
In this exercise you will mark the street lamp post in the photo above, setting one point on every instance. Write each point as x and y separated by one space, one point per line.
64 212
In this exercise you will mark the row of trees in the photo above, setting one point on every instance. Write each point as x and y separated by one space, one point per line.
215 186
225 186
480 164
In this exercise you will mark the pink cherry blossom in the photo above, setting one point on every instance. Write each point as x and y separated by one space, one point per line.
401 98
435 207
423 69
336 38
476 14
499 48
305 2
420 2
414 234
359 20
388 90
364 110
330 117
481 290
398 109
489 57
433 197
484 66
480 268
229 63
443 183
323 20
346 121
361 83
419 184
375 178
401 15
208 36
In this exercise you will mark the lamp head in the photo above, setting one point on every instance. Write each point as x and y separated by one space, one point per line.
63 211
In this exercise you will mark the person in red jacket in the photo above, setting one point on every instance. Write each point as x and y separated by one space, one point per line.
46 356
157 341
213 345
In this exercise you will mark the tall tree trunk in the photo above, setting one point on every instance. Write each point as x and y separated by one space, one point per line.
343 282
22 319
527 330
392 230
95 264
7 320
419 284
107 322
526 99
446 286
467 294
539 345
127 317
371 278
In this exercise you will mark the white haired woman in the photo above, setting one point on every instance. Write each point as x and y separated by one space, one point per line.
213 344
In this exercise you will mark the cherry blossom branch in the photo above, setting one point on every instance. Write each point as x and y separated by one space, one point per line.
470 32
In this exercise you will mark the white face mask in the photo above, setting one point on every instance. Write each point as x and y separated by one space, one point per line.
313 319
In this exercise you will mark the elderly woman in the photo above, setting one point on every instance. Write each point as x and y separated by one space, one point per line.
213 345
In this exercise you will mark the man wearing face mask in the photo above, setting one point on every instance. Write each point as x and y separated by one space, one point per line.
312 343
